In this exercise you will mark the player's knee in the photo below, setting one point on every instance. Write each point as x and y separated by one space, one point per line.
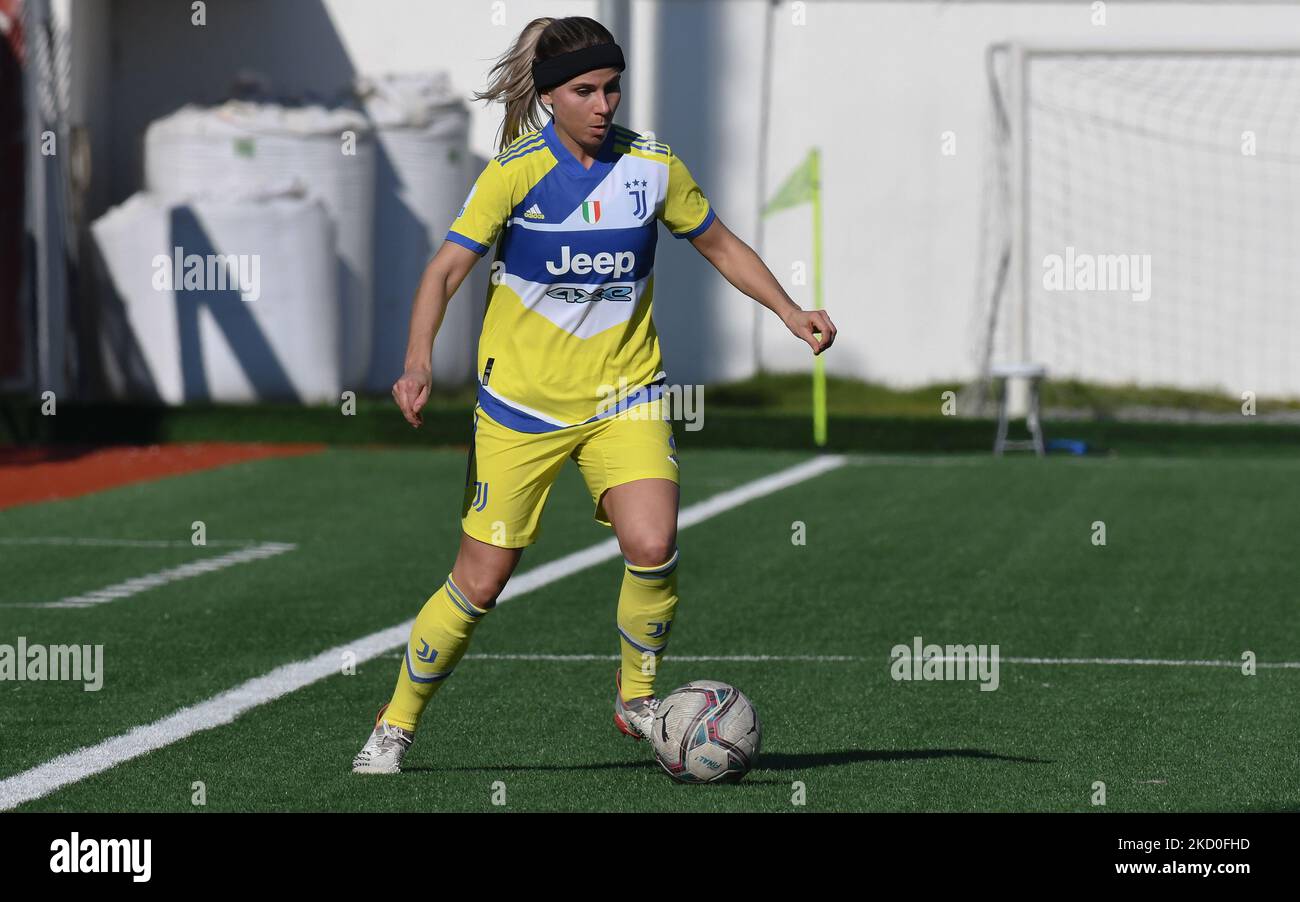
482 589
647 551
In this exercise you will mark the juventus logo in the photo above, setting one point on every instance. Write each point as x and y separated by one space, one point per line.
480 496
638 195
661 628
426 654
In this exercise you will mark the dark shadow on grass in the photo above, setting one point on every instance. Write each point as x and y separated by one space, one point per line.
779 761
515 768
769 762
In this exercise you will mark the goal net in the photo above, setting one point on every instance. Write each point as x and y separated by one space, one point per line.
1140 218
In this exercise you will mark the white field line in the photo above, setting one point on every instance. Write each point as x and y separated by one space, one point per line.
216 711
986 459
883 660
122 543
138 584
222 709
696 513
1152 662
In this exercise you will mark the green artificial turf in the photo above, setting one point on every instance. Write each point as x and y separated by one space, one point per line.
1199 564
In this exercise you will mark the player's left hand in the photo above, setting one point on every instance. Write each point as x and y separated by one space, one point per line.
804 323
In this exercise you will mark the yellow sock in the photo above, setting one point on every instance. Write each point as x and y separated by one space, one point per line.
439 638
645 615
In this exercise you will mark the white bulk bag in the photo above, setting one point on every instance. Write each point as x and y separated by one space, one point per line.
279 340
424 173
212 149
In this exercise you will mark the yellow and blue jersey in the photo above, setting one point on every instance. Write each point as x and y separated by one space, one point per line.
569 311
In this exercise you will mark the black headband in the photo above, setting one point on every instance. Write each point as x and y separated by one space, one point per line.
558 69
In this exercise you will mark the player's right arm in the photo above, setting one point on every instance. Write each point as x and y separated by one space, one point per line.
475 230
444 274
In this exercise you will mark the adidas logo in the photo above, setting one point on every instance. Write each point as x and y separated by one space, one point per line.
534 212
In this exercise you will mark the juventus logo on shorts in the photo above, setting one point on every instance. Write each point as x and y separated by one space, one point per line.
480 496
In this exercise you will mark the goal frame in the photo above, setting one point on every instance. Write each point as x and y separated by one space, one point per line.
1021 52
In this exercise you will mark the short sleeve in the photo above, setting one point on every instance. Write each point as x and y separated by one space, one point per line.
484 213
686 210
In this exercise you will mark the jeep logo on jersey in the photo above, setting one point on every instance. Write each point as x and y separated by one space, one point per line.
577 294
604 263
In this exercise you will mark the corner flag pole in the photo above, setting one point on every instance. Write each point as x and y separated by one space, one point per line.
805 184
819 362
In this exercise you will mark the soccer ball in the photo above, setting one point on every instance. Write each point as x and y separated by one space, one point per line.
706 732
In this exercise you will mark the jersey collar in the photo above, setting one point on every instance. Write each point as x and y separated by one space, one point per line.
604 161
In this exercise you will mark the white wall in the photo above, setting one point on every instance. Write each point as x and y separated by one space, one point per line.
874 84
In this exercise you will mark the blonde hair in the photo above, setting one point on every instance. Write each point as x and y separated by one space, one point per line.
511 79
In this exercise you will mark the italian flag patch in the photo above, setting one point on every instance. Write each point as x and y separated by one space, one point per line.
591 211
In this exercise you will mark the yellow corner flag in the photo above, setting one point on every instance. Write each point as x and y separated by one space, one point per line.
799 187
804 186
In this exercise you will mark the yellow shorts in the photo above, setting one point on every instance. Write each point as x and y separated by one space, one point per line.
510 473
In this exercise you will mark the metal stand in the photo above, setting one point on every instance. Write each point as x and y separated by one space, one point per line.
1034 374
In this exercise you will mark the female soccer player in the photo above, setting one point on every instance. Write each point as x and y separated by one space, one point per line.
575 205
